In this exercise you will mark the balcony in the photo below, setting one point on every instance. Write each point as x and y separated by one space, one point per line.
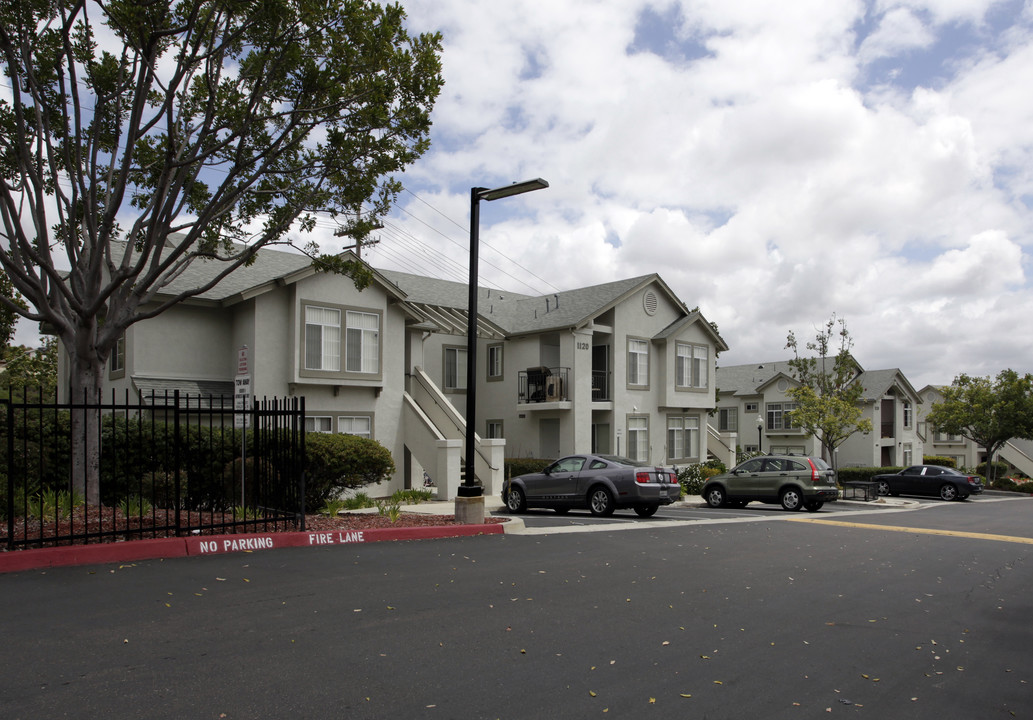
543 385
600 386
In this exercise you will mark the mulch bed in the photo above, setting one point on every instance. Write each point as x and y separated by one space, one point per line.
156 525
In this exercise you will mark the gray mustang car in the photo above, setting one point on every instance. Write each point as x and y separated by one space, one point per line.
601 483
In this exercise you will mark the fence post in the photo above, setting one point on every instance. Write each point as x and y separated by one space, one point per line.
10 470
299 429
175 451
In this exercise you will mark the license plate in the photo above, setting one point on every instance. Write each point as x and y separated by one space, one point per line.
663 492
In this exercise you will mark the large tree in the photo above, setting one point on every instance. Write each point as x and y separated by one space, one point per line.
829 392
138 137
988 411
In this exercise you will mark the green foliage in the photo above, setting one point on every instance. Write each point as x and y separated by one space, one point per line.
8 316
337 462
939 460
413 496
358 501
332 507
988 411
863 474
693 477
522 466
389 509
134 506
51 504
828 395
999 469
31 370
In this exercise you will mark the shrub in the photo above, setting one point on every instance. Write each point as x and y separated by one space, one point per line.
863 474
411 497
939 460
523 466
1000 468
337 462
694 477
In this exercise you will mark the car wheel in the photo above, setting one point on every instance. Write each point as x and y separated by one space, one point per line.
948 492
600 502
562 511
515 501
646 510
791 499
715 497
814 505
884 488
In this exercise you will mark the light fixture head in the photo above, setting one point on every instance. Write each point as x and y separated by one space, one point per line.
509 190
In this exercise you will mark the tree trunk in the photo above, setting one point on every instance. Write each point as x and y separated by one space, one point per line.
86 380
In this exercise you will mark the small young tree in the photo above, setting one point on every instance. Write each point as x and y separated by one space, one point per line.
988 411
828 396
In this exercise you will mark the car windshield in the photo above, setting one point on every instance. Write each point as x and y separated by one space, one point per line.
618 460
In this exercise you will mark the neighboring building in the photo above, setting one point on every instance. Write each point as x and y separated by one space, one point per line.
966 454
621 367
753 400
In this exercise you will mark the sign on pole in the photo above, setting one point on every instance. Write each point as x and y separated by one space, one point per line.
241 390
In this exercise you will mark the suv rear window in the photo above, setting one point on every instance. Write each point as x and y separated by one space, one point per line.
820 464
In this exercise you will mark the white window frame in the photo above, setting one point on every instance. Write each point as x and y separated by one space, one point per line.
682 437
329 358
493 429
346 425
908 454
457 364
319 423
117 360
777 416
728 419
362 342
638 437
494 362
692 365
908 417
638 362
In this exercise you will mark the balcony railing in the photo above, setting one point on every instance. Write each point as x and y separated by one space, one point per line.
543 384
600 386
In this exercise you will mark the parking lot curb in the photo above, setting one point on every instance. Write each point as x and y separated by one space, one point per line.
199 545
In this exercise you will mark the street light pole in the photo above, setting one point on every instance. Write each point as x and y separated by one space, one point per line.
469 488
760 433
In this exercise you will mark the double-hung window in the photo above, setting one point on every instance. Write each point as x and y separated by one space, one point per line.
638 438
117 361
638 362
319 423
728 420
322 338
495 362
691 366
455 368
362 342
779 417
682 437
361 425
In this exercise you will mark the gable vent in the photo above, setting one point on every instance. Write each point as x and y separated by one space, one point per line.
649 302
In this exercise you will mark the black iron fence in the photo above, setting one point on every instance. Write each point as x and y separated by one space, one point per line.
160 466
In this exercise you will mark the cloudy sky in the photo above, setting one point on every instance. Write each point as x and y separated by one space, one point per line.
775 163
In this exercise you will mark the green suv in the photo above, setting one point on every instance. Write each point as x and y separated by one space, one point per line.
794 481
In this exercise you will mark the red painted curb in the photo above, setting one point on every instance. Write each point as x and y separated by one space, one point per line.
128 551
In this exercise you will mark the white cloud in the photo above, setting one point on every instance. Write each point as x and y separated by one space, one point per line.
758 173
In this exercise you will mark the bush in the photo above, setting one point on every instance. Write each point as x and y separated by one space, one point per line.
694 477
522 466
337 462
863 474
1000 467
939 460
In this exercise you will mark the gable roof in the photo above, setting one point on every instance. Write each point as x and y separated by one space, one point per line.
751 379
517 314
271 268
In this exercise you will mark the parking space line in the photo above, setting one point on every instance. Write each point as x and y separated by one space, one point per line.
918 531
